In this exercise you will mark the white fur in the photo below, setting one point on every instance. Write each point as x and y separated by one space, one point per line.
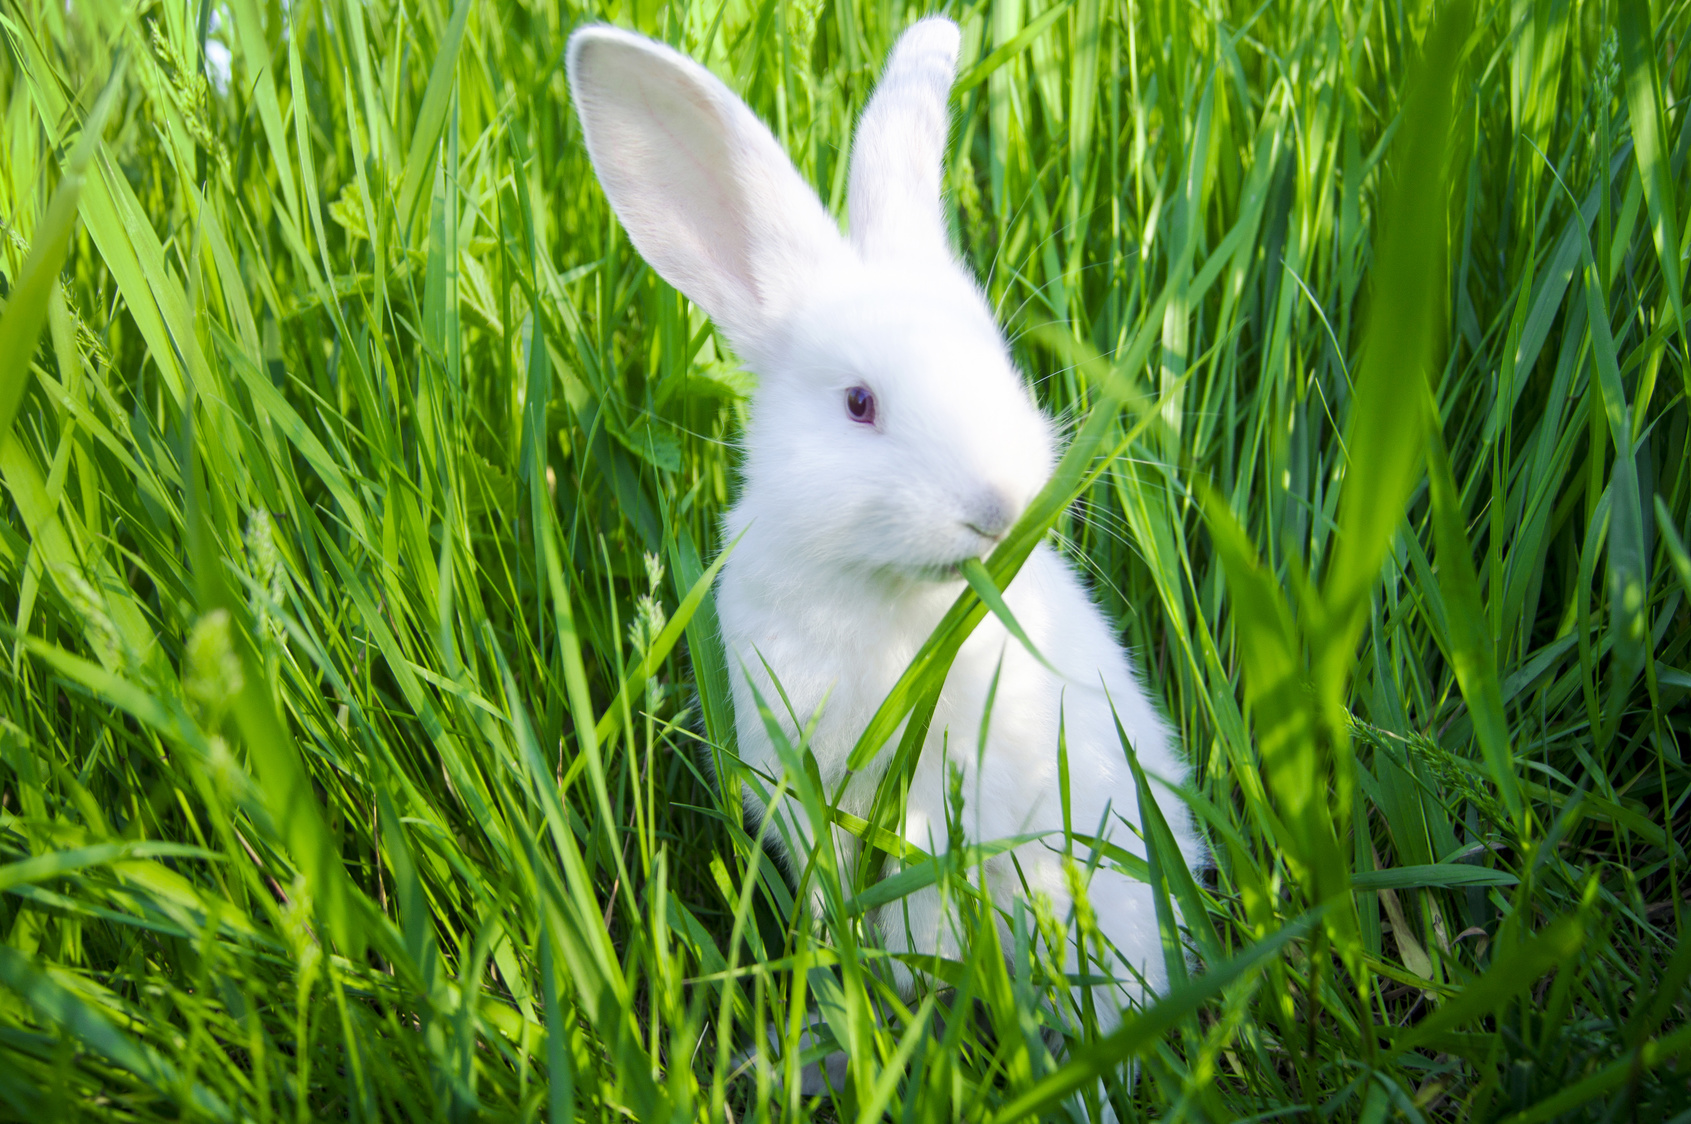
850 533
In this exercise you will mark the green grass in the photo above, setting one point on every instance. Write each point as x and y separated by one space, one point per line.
358 484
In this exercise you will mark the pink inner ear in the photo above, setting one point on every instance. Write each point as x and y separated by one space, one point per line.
662 150
707 195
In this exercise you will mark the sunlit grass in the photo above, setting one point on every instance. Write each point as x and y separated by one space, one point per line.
360 488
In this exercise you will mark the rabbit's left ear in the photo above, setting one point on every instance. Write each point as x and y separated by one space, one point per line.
897 156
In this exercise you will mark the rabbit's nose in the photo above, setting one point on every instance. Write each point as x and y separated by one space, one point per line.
991 515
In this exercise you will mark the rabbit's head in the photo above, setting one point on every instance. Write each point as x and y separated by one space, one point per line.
890 431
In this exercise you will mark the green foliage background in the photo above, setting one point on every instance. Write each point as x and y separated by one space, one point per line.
357 484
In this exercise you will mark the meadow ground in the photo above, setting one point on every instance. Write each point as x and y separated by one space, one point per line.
358 484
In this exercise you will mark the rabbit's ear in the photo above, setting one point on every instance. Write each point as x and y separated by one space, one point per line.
705 192
900 146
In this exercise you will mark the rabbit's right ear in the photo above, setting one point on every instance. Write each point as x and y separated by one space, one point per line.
705 192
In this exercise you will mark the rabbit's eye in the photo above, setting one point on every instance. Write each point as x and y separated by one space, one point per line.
860 404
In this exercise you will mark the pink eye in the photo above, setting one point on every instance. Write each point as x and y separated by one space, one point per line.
860 404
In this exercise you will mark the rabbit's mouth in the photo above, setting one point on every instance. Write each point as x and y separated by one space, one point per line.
953 571
930 560
936 573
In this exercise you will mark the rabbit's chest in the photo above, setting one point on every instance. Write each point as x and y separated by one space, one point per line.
812 665
834 661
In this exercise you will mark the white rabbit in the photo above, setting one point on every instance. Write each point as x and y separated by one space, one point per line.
890 439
